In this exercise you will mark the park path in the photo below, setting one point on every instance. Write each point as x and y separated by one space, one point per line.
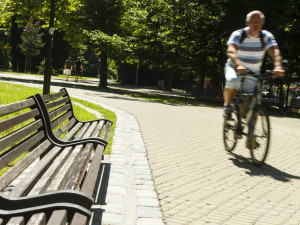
196 181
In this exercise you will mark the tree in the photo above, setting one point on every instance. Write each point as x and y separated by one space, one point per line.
102 17
31 42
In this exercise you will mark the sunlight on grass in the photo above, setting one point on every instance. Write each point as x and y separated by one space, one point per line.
10 93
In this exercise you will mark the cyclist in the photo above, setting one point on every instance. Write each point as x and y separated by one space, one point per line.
246 50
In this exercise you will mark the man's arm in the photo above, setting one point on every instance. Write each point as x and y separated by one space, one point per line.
274 53
232 54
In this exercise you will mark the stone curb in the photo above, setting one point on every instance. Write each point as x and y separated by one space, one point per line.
131 198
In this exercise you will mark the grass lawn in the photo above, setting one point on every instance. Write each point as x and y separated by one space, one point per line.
175 100
12 93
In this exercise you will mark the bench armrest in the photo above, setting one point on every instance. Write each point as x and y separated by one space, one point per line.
50 135
74 201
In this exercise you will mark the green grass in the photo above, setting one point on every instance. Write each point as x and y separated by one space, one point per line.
174 100
10 93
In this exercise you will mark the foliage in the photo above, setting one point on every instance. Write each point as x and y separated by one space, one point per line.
187 36
41 69
31 40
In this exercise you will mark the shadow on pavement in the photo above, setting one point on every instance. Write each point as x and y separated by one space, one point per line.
82 86
264 170
101 192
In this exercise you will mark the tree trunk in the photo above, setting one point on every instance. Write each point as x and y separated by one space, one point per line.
103 70
30 65
169 80
26 65
48 57
14 43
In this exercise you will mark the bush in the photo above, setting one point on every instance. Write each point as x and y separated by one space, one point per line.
41 69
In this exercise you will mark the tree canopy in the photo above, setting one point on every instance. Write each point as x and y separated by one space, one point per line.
186 36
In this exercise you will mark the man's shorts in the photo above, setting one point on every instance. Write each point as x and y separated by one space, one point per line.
233 81
68 72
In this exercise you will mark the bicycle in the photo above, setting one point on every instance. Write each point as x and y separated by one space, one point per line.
248 112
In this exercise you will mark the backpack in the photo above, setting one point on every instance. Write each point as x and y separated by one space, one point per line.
243 36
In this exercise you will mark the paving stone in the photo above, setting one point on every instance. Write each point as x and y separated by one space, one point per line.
152 202
148 212
149 221
117 190
111 219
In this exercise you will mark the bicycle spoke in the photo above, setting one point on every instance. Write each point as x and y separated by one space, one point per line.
259 136
229 133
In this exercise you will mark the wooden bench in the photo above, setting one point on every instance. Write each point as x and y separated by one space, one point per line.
273 101
58 189
201 93
294 104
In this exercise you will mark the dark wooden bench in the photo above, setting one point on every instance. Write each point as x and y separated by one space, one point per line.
59 149
201 93
294 104
273 101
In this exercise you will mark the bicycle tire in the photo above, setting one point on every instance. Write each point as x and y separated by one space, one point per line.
259 136
229 132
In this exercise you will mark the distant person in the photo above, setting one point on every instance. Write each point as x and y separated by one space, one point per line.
78 69
68 68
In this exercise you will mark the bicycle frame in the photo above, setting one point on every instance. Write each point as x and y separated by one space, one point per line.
254 99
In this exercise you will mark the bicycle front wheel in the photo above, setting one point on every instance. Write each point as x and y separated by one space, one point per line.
230 132
259 136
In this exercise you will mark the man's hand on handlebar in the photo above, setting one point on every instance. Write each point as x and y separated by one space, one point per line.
279 72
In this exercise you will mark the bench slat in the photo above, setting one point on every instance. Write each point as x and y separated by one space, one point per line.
82 164
19 134
13 154
17 106
10 175
79 219
50 97
26 184
59 111
107 130
89 183
11 122
60 120
56 103
41 220
59 217
61 179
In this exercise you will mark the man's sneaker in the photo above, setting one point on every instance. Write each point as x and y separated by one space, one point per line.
227 112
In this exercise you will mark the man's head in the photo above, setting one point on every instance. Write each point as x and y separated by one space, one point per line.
69 58
255 20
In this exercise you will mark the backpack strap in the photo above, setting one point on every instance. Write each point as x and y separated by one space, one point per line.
261 36
243 36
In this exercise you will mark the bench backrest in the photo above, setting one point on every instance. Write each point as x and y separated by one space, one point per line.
20 132
295 103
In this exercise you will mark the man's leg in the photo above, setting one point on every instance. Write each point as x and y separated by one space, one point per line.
228 95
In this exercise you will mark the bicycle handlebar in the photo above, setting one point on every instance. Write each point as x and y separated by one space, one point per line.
267 74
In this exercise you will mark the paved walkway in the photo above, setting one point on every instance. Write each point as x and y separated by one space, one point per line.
196 181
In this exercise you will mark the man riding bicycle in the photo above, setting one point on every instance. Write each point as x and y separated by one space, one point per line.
246 50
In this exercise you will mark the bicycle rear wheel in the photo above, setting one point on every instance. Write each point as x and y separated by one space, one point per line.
259 136
230 132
